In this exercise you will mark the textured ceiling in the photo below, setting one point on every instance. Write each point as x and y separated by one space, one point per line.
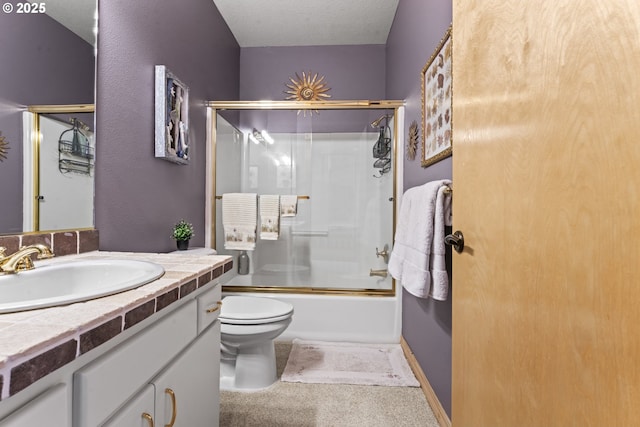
260 23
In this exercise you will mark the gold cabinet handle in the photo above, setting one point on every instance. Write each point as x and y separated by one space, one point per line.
216 308
174 410
148 417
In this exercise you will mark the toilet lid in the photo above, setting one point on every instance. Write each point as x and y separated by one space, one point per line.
241 310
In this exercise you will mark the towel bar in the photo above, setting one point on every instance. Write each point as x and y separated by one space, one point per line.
310 233
448 190
299 197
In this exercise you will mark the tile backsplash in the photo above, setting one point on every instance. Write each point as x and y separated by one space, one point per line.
68 242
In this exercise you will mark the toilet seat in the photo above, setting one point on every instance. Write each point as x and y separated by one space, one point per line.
241 310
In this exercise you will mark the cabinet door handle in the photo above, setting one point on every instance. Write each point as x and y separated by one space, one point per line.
148 417
174 410
216 308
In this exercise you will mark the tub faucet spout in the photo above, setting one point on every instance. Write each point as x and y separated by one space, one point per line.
381 273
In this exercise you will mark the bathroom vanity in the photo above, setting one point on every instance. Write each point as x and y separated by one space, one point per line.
148 356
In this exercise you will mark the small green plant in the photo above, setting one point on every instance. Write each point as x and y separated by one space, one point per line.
182 230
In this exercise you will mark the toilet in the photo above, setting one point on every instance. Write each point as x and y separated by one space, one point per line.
247 353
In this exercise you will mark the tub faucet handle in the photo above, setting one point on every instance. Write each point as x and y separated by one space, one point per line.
384 253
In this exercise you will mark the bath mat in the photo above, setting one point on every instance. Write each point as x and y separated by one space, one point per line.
347 363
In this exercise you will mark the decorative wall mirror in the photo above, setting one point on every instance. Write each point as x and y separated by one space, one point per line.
62 42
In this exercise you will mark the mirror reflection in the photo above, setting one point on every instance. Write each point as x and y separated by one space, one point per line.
59 156
48 59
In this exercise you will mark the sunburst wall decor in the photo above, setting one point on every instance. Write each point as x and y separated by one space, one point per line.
4 146
412 145
309 87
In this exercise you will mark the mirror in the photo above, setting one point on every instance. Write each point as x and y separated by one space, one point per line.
48 59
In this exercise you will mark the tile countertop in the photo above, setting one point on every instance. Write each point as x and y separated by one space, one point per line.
34 343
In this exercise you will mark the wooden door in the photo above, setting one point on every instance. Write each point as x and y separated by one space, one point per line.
546 172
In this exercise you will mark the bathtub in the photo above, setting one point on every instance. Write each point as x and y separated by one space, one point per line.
347 318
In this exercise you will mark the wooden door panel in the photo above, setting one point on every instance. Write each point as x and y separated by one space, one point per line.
546 113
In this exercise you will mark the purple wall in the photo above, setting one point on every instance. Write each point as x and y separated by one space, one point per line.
352 73
42 63
426 324
140 197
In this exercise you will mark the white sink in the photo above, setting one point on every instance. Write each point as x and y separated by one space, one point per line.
67 282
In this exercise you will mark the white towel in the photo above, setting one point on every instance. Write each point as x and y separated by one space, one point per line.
448 207
269 217
288 205
418 237
439 276
239 220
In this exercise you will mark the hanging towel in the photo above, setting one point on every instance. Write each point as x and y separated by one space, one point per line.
418 242
439 276
288 205
239 219
448 206
269 217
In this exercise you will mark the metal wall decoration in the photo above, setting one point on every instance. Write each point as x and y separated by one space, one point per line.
412 143
172 117
436 104
75 152
307 88
4 146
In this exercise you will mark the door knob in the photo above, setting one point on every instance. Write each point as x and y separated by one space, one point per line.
456 240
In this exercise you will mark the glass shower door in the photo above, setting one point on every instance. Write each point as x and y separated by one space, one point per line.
344 193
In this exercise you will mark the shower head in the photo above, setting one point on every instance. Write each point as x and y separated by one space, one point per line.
376 122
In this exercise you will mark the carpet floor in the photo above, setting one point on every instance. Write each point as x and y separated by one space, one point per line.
323 405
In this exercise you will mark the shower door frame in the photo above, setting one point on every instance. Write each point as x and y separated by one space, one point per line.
32 139
210 187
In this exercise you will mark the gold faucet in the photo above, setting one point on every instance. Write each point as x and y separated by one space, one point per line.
21 259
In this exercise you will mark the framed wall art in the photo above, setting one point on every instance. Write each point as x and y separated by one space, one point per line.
171 117
436 104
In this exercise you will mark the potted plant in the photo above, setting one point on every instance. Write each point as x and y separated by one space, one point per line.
182 232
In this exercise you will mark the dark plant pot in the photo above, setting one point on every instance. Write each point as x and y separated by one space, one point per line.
183 245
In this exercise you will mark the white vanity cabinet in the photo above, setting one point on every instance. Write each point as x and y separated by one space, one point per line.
186 393
165 375
148 357
53 404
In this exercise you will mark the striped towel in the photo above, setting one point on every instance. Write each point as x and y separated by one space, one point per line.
288 205
269 217
239 220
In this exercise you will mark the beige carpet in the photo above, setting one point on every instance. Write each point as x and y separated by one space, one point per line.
348 363
324 405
